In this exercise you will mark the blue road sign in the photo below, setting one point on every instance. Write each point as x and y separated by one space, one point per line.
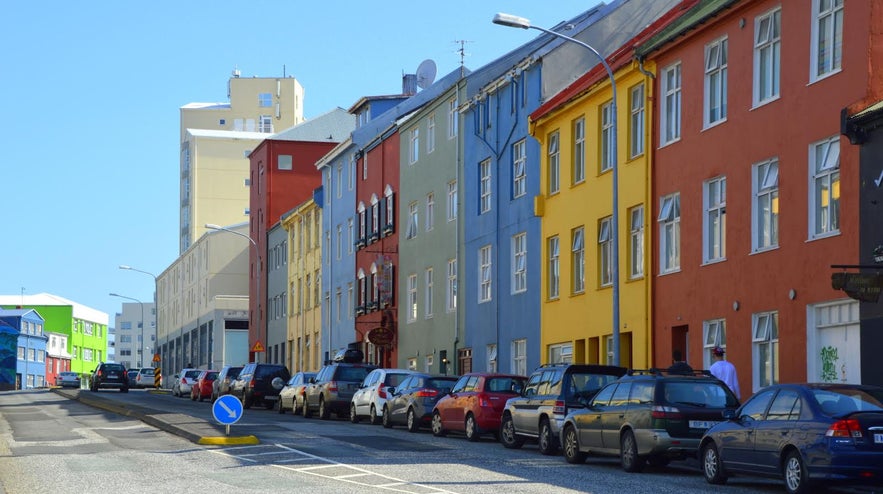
227 409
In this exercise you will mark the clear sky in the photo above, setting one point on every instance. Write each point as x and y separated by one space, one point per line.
89 110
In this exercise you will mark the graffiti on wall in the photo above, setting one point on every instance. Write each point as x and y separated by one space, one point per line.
829 358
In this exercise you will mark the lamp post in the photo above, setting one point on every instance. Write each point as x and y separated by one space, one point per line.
141 357
155 294
520 22
257 277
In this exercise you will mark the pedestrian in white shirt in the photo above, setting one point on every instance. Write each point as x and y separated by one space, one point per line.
725 371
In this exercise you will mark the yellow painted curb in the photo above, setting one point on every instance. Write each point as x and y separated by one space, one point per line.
222 440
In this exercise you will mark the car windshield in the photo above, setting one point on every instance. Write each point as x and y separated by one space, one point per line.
841 401
699 393
586 385
233 373
272 370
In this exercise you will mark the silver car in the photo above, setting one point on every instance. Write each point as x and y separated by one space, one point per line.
368 401
183 381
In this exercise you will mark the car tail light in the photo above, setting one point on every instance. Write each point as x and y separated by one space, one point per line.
663 412
381 391
845 428
559 408
426 393
484 401
332 386
253 382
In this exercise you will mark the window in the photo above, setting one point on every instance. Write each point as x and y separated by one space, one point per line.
715 332
349 299
554 164
484 274
414 148
430 134
351 239
390 210
428 292
636 121
265 124
786 406
765 222
767 45
430 211
338 304
670 120
827 38
519 357
715 82
338 184
351 166
451 286
265 100
375 218
579 151
339 241
578 260
561 353
636 242
519 169
824 210
412 298
605 252
519 263
554 267
452 118
765 338
484 201
283 161
715 221
492 358
452 201
670 233
607 144
412 220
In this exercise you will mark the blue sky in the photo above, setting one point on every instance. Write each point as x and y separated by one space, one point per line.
90 95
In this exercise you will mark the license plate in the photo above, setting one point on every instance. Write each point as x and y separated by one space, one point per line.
702 424
878 438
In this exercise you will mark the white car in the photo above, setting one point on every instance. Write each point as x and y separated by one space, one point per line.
145 378
68 380
369 399
183 381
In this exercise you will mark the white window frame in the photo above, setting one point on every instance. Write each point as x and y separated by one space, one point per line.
351 233
491 352
412 220
428 283
670 104
714 221
485 188
605 252
451 286
339 241
430 133
765 205
824 188
519 263
767 56
561 353
826 45
453 118
716 55
636 242
554 154
606 140
578 168
412 297
554 255
430 211
578 260
452 201
636 121
485 265
390 208
519 169
669 233
338 186
764 338
714 333
414 145
519 357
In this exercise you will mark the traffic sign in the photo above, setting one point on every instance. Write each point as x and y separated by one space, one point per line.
227 409
258 347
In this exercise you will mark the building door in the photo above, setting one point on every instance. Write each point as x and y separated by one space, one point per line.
679 344
834 343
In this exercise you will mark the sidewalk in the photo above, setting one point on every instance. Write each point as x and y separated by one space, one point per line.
193 429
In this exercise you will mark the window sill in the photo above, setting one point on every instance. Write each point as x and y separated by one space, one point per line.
820 78
761 250
822 236
758 104
708 262
711 125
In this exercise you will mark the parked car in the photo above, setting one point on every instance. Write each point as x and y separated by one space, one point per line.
414 398
647 416
369 400
333 387
475 404
257 384
806 434
108 375
68 380
183 381
551 392
221 385
132 377
292 395
203 387
146 378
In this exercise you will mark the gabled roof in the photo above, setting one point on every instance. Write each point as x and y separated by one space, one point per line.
694 15
333 126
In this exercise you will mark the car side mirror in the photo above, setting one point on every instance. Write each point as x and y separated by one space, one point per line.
391 390
729 414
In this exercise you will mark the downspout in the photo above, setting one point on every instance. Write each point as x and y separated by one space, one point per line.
650 79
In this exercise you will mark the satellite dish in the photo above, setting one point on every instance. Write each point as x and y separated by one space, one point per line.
425 74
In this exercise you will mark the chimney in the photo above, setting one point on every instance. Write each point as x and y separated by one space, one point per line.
409 84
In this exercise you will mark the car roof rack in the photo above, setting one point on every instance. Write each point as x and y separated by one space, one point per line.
655 371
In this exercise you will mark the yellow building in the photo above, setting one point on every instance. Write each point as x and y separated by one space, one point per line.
216 139
576 132
304 287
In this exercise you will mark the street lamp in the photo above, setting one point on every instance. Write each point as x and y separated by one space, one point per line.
155 294
141 357
523 23
257 277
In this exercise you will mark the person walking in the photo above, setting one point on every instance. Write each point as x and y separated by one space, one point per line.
725 371
679 366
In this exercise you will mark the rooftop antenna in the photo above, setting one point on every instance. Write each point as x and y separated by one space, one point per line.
462 49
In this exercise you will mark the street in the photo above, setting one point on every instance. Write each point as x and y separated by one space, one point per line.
50 443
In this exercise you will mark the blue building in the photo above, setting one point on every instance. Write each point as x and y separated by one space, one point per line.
30 368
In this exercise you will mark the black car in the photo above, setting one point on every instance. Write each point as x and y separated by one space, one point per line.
801 433
226 376
412 401
333 388
257 384
108 375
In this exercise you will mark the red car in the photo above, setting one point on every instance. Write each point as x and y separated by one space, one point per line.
202 389
475 404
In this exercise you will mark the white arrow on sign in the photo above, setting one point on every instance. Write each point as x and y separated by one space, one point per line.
230 412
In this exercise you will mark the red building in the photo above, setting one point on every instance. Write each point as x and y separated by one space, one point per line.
755 190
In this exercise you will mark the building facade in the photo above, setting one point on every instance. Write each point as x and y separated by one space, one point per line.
135 334
31 364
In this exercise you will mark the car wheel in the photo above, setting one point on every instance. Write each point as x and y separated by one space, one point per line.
247 401
324 412
305 411
437 429
471 429
124 390
387 422
712 468
571 449
354 418
373 416
628 453
279 407
294 408
413 423
192 396
548 444
796 475
508 437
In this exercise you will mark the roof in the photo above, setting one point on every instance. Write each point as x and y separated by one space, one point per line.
228 134
80 311
206 106
332 126
694 13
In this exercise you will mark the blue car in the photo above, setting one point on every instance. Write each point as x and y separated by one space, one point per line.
806 434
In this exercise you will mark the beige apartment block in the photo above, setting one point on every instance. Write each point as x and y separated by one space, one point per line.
216 139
